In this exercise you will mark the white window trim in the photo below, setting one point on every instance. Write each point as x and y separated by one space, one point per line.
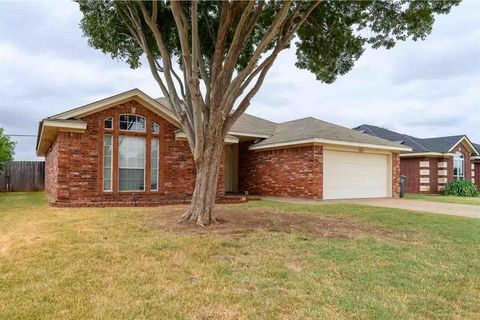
151 128
132 114
144 165
111 164
459 155
110 129
158 166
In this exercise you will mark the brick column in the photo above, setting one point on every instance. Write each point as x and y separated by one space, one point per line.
442 174
424 173
395 175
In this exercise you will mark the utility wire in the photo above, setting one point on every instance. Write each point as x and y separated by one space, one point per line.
21 135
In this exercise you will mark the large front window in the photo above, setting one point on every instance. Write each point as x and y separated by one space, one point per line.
458 166
131 165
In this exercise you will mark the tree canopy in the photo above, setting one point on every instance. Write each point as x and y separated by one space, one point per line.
6 149
327 44
224 50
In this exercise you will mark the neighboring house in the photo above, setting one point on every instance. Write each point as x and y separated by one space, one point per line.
128 147
433 161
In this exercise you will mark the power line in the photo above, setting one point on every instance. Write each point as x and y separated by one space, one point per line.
21 135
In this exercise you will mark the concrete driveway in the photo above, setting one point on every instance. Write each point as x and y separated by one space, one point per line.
452 209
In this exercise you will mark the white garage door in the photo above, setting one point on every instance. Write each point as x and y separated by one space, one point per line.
349 175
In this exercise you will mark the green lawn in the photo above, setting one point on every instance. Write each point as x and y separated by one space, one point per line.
439 198
283 261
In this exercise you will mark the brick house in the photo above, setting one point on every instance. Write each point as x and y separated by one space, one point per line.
433 161
128 149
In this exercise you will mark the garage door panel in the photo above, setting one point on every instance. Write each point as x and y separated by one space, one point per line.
348 175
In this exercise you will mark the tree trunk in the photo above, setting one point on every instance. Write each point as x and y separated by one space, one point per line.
204 195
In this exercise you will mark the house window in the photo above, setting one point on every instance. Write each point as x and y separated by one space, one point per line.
132 122
155 127
107 162
458 166
108 123
131 164
154 165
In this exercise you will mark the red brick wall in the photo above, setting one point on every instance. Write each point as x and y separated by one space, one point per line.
79 158
410 167
292 172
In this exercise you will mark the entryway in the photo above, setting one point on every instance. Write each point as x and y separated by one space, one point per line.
231 168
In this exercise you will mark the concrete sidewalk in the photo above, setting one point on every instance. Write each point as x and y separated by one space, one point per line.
453 209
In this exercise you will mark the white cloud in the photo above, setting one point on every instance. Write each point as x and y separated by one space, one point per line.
427 88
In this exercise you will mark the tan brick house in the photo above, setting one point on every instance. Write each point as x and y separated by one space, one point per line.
433 161
128 149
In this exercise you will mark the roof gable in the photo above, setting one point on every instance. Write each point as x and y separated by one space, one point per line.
419 145
134 94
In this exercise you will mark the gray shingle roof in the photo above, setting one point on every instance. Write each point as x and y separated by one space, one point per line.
311 128
245 124
301 129
438 144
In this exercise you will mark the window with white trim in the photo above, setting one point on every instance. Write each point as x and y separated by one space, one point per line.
131 164
107 162
108 123
458 166
132 122
155 127
154 165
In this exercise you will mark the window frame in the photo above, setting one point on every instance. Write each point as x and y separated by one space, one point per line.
112 142
459 158
131 114
104 120
157 158
155 123
144 138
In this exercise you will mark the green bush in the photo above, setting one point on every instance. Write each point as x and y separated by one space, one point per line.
461 188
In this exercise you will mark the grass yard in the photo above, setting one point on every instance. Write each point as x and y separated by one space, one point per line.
266 260
448 199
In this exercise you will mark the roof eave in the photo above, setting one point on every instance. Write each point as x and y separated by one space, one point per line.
180 135
106 103
427 154
49 128
329 142
471 145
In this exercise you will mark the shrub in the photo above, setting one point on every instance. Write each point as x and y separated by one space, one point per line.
461 188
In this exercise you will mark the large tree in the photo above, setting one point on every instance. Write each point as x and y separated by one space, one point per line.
7 148
210 58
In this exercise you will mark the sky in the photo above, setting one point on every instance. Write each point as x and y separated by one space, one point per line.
425 89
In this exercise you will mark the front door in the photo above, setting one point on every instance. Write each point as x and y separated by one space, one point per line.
231 168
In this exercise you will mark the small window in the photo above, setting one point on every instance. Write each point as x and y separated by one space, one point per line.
155 127
154 165
131 122
108 123
458 166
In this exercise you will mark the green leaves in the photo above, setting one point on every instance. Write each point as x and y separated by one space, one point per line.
6 149
337 32
461 188
328 44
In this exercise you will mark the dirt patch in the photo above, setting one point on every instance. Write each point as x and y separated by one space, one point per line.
235 221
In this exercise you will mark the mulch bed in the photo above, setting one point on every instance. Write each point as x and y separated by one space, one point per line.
237 221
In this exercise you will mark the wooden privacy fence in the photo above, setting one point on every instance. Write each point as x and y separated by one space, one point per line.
23 176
